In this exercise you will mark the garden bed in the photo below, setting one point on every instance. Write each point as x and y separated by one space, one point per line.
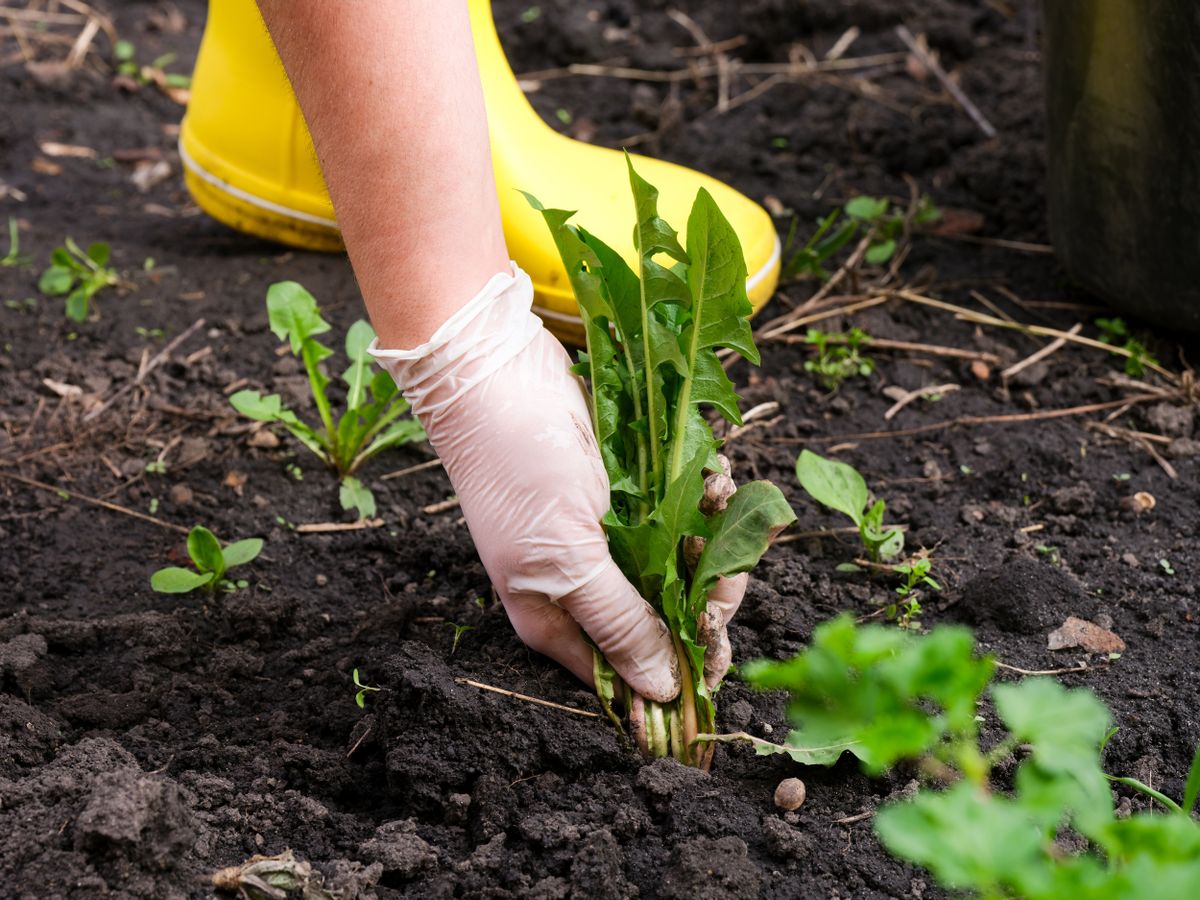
147 740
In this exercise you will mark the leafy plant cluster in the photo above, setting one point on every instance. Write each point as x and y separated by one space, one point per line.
78 275
651 364
374 416
887 696
839 356
876 217
212 562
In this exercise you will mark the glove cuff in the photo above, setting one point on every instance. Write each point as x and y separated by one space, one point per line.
491 329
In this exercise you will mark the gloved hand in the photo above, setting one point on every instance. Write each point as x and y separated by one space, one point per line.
510 422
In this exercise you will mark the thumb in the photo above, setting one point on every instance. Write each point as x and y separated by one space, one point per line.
633 637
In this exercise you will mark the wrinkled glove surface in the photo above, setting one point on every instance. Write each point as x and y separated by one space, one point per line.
510 423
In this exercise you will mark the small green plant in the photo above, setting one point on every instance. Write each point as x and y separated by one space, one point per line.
294 472
459 631
79 275
156 467
652 335
212 562
1165 565
839 356
125 55
28 305
840 487
1114 331
887 696
374 419
916 573
883 223
13 257
363 689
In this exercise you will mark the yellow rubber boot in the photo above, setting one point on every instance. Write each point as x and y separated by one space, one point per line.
249 163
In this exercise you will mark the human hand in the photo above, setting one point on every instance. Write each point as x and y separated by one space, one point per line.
510 423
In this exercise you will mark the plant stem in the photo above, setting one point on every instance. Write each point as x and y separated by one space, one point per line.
686 703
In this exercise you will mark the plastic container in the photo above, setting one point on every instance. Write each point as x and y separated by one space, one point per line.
1123 96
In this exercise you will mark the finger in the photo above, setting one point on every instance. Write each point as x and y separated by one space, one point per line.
633 637
718 489
551 631
718 655
727 594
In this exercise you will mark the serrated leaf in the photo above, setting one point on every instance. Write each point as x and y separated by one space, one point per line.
241 552
175 580
833 484
717 283
205 551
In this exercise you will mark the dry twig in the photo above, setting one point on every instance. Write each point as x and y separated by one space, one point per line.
525 697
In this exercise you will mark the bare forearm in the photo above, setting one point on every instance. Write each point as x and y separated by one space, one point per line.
391 94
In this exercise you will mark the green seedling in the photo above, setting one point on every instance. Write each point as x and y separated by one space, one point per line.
212 562
887 696
294 472
374 419
150 334
125 56
363 689
882 223
839 356
840 487
1115 332
156 467
79 275
459 631
651 363
13 257
916 573
1165 565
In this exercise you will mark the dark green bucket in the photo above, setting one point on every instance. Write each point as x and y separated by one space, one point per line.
1123 91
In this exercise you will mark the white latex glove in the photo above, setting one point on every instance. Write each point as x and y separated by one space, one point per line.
511 424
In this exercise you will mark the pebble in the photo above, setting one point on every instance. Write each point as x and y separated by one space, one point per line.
790 794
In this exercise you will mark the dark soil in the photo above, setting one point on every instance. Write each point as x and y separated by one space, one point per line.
147 740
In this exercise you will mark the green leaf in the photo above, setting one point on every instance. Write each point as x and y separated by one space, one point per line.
293 315
174 580
56 281
717 282
358 338
741 534
867 209
892 695
270 408
878 254
77 305
241 552
968 839
205 551
356 495
1192 789
833 484
98 253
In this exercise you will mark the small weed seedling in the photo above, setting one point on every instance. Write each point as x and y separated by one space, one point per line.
1116 332
839 356
14 258
212 563
79 276
883 223
459 631
652 335
374 418
155 73
887 696
838 486
363 689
